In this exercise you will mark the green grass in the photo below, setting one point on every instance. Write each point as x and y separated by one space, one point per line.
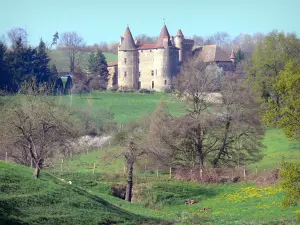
277 145
125 106
62 62
24 200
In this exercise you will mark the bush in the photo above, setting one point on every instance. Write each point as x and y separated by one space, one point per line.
168 90
291 183
146 91
114 88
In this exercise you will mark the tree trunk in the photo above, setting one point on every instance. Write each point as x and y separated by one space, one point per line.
37 169
129 182
36 172
223 146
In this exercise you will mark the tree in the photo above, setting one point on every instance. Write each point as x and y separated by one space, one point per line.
54 40
16 34
269 59
285 113
72 44
240 56
35 128
5 77
68 85
218 132
58 88
41 64
98 65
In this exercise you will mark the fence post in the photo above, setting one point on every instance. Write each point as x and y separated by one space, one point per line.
156 171
244 172
170 174
6 157
94 168
145 168
201 173
61 165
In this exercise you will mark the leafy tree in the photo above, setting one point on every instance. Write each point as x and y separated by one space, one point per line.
269 59
98 65
291 184
285 113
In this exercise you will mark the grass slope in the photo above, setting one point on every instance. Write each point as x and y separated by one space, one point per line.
61 61
24 200
277 145
125 106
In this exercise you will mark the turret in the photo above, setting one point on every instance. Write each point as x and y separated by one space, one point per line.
179 44
233 57
127 61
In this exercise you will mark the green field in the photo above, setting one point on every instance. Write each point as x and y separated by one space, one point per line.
61 61
125 106
157 200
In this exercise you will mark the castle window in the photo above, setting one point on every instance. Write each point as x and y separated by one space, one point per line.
150 50
152 85
139 74
165 82
155 72
125 60
152 72
125 74
138 60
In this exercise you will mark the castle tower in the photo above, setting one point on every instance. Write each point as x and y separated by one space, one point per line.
179 44
127 62
233 57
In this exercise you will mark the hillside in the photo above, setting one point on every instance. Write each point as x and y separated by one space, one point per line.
24 200
62 62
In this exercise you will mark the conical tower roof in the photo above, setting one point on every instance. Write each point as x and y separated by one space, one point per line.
179 33
164 33
127 42
232 56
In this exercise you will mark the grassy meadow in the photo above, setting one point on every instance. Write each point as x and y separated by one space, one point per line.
157 200
61 61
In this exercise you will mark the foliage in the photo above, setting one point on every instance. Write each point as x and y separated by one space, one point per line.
269 59
98 65
68 85
58 87
291 182
285 113
240 56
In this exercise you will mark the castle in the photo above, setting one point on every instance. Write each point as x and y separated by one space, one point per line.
153 66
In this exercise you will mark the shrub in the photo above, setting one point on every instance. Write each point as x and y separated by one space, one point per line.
146 91
291 183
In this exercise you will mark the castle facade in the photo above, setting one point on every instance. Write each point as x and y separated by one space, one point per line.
153 66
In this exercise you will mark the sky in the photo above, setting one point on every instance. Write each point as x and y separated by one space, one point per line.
98 20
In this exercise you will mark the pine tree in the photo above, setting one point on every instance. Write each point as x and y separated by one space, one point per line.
5 77
68 85
239 55
98 65
58 87
41 65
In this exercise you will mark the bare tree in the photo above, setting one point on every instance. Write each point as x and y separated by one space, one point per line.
17 33
72 45
35 128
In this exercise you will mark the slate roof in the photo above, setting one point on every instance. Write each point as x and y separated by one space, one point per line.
179 33
213 53
146 46
164 33
127 42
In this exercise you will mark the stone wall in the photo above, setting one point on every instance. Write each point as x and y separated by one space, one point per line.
128 69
